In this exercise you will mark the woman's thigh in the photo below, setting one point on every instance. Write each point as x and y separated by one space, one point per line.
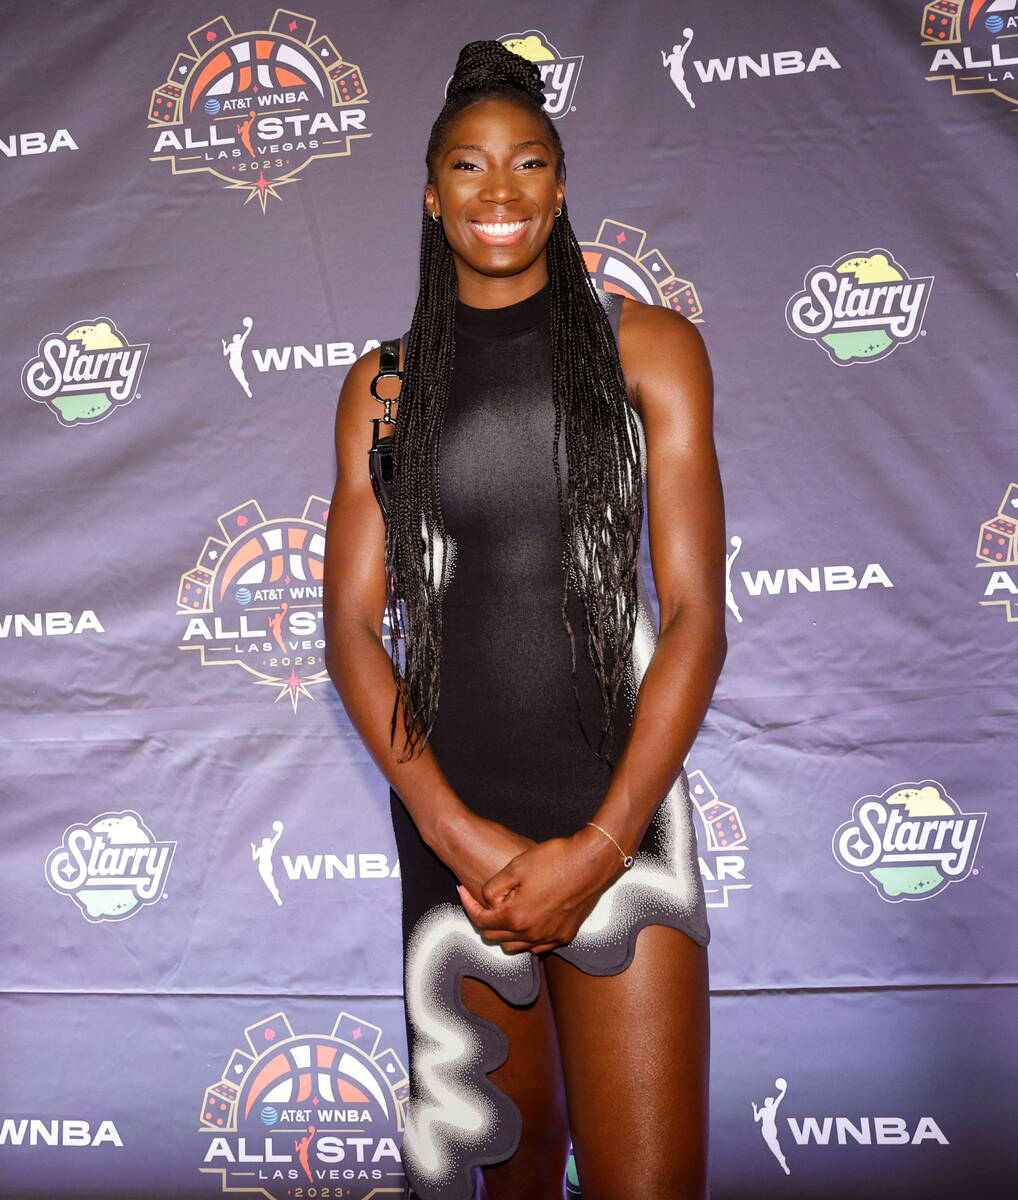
635 1056
532 1078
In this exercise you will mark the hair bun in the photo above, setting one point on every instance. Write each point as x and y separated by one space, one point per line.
483 65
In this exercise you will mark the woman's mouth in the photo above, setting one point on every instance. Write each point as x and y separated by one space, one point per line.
500 233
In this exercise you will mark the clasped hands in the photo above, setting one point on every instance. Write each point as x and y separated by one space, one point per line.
539 898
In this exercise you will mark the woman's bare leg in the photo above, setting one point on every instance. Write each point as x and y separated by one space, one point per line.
635 1057
532 1078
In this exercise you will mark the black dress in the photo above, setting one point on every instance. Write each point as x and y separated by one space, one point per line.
510 741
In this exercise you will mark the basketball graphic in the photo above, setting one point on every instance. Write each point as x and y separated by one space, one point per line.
281 550
247 63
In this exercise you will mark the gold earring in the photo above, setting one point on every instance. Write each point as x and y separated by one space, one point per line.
434 215
558 212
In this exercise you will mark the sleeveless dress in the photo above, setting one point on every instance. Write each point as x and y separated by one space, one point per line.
510 740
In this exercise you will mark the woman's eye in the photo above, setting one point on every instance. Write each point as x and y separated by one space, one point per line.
463 165
534 162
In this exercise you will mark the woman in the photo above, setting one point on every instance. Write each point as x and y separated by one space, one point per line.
532 734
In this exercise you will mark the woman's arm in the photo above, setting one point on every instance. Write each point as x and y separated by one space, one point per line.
541 898
359 664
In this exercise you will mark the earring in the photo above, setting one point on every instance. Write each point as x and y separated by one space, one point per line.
434 215
558 212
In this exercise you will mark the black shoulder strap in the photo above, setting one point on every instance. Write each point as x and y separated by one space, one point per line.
388 368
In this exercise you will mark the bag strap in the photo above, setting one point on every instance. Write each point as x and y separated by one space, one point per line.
388 368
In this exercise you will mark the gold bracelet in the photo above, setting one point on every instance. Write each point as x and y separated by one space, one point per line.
627 859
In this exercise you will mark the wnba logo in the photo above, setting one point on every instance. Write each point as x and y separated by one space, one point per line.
619 262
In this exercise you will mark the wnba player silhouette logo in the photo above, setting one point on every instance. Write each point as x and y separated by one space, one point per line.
302 1145
766 1115
674 63
233 352
262 855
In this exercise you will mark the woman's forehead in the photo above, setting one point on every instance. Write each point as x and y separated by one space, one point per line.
495 124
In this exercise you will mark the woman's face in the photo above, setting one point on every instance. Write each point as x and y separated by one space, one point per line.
496 189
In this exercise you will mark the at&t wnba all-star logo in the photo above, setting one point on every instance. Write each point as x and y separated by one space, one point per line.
84 373
559 73
859 308
255 108
253 599
910 843
308 1115
619 261
972 45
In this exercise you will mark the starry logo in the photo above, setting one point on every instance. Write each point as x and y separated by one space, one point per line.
910 843
859 308
256 108
998 548
253 599
971 46
111 866
723 860
86 372
559 74
308 1114
619 261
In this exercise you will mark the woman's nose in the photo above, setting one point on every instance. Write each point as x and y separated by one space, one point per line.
500 186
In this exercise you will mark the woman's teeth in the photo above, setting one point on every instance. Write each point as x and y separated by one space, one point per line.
499 230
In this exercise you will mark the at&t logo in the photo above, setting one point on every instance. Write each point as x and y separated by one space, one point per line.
910 843
255 108
254 598
110 867
859 308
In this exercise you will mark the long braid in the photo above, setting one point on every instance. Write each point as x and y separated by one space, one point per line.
415 534
600 500
601 512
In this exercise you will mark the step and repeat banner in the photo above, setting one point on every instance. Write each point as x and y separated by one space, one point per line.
210 209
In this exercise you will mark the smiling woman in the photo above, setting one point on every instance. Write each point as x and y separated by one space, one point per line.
532 731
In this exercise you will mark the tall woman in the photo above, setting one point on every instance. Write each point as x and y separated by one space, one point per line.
532 732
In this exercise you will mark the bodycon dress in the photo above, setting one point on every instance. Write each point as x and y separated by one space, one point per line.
513 745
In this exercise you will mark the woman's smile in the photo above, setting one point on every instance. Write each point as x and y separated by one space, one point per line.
500 232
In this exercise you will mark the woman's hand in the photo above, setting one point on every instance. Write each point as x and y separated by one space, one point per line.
541 898
480 851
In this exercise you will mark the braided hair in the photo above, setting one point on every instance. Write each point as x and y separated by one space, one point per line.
601 501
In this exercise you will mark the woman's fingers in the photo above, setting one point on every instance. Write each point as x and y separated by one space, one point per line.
500 886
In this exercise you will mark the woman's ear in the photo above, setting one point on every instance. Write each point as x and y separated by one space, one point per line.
431 201
560 194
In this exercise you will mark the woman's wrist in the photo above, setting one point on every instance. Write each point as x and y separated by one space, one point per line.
605 857
449 829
